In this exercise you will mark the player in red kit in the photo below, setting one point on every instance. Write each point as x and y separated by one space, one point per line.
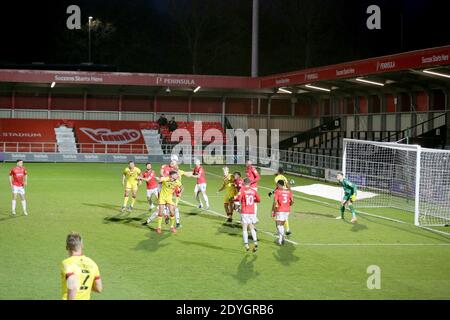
149 176
252 174
282 202
18 181
200 187
254 177
238 183
248 198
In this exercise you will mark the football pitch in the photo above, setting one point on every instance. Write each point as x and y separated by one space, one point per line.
325 258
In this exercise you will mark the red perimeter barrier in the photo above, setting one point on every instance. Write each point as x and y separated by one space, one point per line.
92 136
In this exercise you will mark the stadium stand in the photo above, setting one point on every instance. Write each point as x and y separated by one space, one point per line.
89 136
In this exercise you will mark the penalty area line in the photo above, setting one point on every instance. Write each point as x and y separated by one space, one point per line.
224 216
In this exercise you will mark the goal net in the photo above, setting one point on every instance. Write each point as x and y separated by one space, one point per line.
407 178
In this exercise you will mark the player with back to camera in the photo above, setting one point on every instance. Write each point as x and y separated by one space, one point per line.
79 274
18 180
279 176
248 198
253 175
282 203
350 190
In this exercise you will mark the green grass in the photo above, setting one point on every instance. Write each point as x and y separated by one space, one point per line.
206 260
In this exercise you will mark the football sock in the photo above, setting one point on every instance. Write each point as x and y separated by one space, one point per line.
280 232
172 221
14 205
206 199
342 211
153 216
255 239
245 236
133 201
286 224
24 205
125 201
352 210
177 215
159 222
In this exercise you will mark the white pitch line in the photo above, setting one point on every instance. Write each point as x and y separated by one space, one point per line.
375 244
222 215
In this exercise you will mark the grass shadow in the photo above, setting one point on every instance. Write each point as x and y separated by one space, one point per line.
153 243
103 206
233 230
316 214
246 269
285 254
357 227
10 216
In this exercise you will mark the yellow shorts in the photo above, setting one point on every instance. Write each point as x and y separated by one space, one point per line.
166 200
131 186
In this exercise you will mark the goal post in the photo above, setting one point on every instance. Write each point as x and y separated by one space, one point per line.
404 178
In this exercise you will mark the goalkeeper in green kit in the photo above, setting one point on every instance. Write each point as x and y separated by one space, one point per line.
349 197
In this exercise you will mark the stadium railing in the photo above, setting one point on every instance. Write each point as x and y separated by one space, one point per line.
52 147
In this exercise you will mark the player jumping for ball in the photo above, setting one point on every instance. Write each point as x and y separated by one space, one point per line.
168 187
248 198
238 184
350 190
18 180
253 175
179 191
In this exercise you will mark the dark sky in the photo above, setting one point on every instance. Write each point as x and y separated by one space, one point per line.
214 36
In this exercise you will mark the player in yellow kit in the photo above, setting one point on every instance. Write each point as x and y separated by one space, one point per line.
179 191
279 176
230 192
130 180
79 274
168 186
